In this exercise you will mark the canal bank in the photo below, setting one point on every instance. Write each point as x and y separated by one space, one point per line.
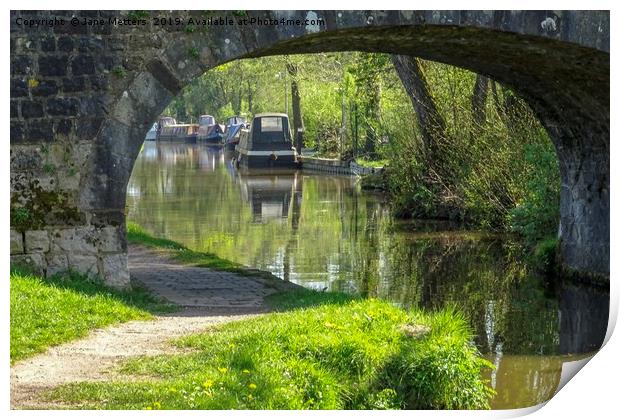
335 166
316 350
274 223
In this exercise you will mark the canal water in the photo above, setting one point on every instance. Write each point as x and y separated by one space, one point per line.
323 232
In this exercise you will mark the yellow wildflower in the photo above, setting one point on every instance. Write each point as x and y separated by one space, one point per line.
222 370
208 383
252 386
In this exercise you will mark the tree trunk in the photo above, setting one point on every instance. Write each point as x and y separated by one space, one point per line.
238 98
372 118
479 100
298 122
250 97
432 125
504 105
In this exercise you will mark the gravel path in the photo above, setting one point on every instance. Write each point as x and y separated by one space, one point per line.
207 297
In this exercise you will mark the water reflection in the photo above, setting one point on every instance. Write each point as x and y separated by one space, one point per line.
323 232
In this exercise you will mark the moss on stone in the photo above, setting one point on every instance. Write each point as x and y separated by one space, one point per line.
33 207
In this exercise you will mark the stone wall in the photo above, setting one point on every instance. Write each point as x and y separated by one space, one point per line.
83 97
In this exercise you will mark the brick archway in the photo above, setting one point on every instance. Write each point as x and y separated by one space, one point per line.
82 98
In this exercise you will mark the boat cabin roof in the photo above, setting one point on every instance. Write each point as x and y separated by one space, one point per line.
167 120
267 130
271 114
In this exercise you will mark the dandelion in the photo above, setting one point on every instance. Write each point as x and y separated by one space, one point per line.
157 405
207 384
149 408
33 83
222 370
252 386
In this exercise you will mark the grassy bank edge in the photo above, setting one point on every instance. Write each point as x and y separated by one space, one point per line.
137 235
46 312
323 351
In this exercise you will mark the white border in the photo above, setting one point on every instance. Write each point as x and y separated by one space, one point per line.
591 394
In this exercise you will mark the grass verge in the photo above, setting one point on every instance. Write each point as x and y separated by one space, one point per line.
321 351
47 312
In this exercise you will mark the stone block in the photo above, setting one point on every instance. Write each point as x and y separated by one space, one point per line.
148 92
37 241
39 130
56 263
73 84
65 44
48 44
21 64
17 132
110 240
115 270
17 242
62 106
83 64
14 109
83 264
31 109
88 128
125 110
18 88
34 262
92 106
45 88
53 65
74 240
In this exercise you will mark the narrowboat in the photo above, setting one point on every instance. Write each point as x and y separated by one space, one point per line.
170 131
209 131
232 132
267 143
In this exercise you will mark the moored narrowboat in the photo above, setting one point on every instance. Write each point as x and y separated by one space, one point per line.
267 143
232 132
209 131
169 131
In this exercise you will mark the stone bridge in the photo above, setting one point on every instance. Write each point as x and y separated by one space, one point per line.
84 93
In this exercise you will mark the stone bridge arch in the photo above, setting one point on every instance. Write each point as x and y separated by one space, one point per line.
83 97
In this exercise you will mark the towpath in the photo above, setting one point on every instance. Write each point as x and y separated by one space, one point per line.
206 297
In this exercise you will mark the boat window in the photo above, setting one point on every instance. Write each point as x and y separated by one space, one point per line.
207 120
271 124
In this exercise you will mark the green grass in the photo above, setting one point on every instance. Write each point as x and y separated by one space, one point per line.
321 351
47 312
138 235
378 163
